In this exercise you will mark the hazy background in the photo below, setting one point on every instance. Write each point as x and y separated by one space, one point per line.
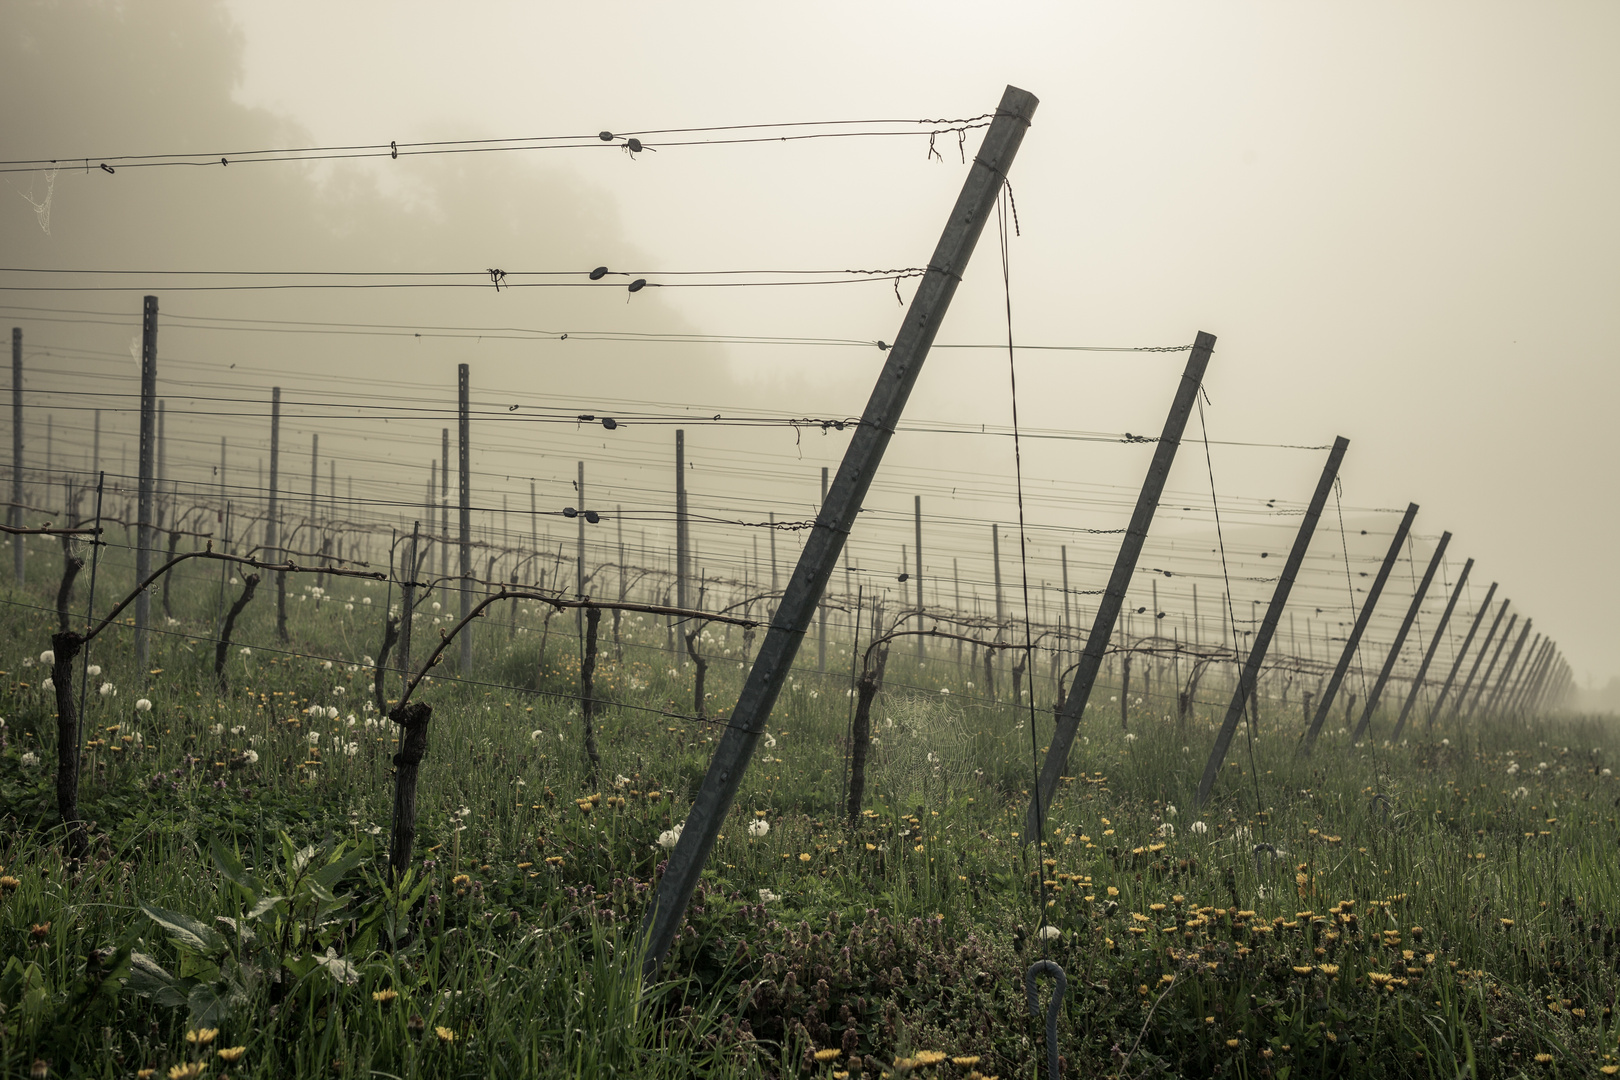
1398 219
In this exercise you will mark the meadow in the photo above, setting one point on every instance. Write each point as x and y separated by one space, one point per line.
1442 907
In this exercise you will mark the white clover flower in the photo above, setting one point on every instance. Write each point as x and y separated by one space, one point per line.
1048 933
251 757
142 705
30 759
766 896
372 722
107 690
758 827
48 657
301 599
313 738
48 685
93 670
970 686
669 837
1198 827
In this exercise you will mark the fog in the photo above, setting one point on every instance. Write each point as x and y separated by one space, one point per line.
1398 221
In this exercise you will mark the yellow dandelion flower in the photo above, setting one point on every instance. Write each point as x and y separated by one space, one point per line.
804 856
1544 1059
826 1055
202 1036
230 1055
967 1061
924 1058
460 879
444 1033
1305 970
189 1071
1112 891
383 997
1231 1044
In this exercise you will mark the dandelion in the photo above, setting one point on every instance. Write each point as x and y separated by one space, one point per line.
217 730
824 1056
230 1055
202 1036
1198 827
770 742
250 757
48 657
1167 829
351 749
1544 1059
1130 736
93 670
758 828
48 685
945 690
1048 933
766 896
1513 769
1521 792
188 1071
445 1034
313 738
30 759
669 838
142 705
331 712
338 691
245 651
1170 811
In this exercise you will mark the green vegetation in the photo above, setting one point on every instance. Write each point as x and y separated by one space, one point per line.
1441 906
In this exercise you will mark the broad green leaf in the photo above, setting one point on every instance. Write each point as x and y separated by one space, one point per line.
339 968
184 929
212 1004
265 904
148 979
333 872
230 866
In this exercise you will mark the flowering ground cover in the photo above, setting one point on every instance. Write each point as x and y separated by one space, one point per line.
1446 906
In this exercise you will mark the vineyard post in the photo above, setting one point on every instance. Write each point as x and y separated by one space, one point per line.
314 489
1360 731
158 475
1330 691
1456 665
1268 627
224 573
1507 672
464 519
1434 646
15 514
1068 615
579 557
1537 697
272 525
917 520
1113 597
407 605
680 521
143 518
1533 691
776 583
1485 679
95 445
1540 647
819 557
444 502
821 600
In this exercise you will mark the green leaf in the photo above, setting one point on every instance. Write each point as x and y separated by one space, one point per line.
333 872
212 1004
339 968
265 904
230 866
148 979
185 930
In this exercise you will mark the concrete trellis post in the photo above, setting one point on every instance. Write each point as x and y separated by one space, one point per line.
1268 627
1434 645
1400 638
1332 688
145 496
819 557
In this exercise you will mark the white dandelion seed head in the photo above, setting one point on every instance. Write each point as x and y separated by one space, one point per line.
48 685
766 896
251 757
30 759
217 730
93 670
142 705
331 712
1049 933
107 689
48 656
669 837
758 827
1198 827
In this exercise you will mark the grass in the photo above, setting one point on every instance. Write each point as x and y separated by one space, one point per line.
1441 907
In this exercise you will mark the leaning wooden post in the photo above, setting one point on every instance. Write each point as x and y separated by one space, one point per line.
1513 657
1527 673
464 519
1268 625
15 514
1434 646
587 692
1113 598
1462 695
1532 682
1485 679
1400 638
148 447
1332 689
819 558
65 646
412 719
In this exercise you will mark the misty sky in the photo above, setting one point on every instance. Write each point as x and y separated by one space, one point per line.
1398 220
